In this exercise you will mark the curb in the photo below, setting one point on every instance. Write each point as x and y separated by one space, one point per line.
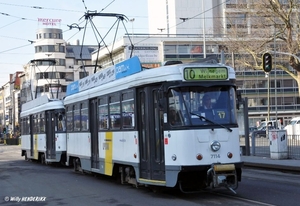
273 166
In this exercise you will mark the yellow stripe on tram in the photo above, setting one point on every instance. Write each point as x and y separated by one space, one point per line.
160 182
35 147
108 153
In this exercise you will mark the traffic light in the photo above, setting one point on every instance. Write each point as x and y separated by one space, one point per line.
4 130
267 62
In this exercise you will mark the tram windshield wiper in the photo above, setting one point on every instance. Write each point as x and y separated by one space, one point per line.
212 122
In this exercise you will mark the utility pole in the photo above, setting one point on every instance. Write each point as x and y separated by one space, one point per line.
132 20
204 40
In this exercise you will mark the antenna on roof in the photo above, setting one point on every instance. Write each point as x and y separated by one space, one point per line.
88 16
44 75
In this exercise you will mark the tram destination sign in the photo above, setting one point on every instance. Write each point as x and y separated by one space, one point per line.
205 73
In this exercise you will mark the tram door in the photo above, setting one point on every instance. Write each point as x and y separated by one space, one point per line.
93 114
150 135
50 135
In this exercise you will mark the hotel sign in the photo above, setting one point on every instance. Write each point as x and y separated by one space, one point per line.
49 22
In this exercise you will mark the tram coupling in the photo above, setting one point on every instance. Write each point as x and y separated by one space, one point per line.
223 175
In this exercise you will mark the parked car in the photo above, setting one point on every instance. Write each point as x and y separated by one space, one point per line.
252 129
261 132
264 125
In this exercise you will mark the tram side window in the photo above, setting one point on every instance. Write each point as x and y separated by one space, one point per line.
84 116
175 115
25 126
114 111
22 126
76 118
42 123
103 114
28 124
70 118
60 122
128 110
35 124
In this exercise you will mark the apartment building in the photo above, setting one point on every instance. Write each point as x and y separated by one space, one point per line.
56 63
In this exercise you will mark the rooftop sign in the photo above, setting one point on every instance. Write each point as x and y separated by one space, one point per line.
49 22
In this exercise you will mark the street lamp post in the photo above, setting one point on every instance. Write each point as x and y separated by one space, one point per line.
161 29
268 80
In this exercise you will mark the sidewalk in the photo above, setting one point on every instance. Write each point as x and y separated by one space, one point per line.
268 163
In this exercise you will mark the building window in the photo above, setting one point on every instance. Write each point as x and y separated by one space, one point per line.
183 49
170 49
83 74
70 50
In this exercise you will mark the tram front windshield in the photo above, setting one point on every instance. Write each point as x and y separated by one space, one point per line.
192 106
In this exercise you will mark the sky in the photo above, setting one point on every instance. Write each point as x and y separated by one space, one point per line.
19 23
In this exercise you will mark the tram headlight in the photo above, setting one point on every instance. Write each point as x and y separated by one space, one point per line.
215 146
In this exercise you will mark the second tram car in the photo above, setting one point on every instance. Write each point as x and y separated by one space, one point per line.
151 127
43 131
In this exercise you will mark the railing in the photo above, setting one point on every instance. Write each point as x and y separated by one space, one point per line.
260 146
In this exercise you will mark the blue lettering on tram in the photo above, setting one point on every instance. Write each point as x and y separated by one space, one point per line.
72 88
128 67
122 69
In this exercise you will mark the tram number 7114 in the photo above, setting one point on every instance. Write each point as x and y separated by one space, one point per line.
215 156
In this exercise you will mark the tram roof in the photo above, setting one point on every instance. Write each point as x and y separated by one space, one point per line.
137 78
40 104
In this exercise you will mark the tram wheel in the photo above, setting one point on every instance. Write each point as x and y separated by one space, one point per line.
43 159
75 165
25 155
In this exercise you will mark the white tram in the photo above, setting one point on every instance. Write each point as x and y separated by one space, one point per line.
121 122
43 131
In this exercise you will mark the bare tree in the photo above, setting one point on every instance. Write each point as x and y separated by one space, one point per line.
266 25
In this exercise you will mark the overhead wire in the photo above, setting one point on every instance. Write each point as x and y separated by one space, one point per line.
107 5
188 19
39 7
10 23
14 48
66 10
